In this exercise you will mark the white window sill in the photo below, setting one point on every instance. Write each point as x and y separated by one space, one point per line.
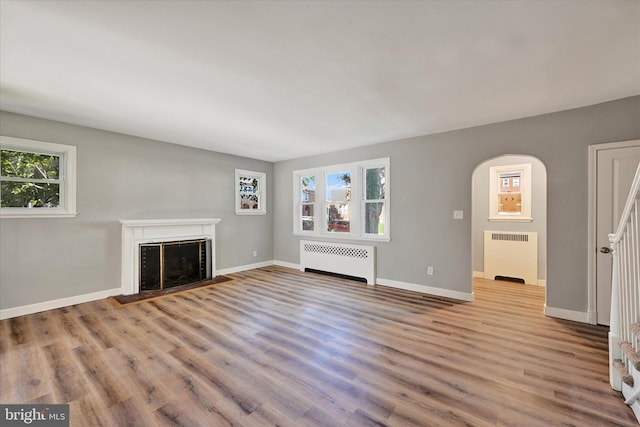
31 213
510 219
342 236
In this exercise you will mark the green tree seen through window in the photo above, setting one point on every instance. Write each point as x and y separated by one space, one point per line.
29 179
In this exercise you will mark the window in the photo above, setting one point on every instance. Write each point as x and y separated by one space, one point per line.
251 195
510 193
37 179
347 201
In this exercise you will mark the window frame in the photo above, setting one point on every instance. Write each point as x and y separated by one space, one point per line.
495 172
357 201
66 180
261 177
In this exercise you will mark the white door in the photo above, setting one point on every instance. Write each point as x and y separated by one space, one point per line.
615 170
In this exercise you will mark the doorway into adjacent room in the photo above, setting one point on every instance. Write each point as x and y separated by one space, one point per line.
509 220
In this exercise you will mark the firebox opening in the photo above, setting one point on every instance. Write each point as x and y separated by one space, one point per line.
169 264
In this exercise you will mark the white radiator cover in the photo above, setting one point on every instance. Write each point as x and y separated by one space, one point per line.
511 254
340 258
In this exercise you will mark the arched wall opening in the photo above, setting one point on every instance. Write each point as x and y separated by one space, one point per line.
484 217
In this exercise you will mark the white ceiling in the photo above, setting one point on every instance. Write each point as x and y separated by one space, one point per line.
276 80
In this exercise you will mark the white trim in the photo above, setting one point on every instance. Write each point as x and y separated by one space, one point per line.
240 268
542 282
356 203
67 153
287 264
526 174
563 313
140 231
478 274
58 303
447 293
592 243
262 192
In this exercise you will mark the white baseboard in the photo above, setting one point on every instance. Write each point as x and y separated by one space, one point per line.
462 296
563 313
287 264
243 268
480 274
52 305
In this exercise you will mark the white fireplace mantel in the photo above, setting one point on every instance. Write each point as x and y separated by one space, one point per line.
140 231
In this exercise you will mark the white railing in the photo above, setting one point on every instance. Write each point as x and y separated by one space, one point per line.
625 280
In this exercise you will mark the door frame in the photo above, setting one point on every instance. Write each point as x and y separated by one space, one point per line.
592 244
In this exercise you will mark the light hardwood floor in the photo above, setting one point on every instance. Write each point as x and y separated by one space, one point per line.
280 347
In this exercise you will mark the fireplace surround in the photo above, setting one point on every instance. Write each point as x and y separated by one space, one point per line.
157 231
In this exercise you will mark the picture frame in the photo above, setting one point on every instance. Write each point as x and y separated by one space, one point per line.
250 192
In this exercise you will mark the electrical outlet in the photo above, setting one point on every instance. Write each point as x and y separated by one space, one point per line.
458 214
255 253
430 271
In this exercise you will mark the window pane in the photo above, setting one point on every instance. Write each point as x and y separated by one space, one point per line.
375 182
23 164
338 217
307 217
339 187
249 192
29 195
374 218
510 182
308 189
510 203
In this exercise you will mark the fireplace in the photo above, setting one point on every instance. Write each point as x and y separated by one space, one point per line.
158 254
169 264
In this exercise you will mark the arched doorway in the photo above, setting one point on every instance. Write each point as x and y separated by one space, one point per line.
509 200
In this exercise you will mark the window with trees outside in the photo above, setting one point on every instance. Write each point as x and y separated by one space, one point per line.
347 201
37 179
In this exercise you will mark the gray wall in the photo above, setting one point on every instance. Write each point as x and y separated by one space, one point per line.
121 177
423 231
480 207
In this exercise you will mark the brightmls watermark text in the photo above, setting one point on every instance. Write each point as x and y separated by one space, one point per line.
34 415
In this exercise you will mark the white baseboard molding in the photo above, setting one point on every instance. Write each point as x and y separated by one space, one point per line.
287 264
480 274
62 302
246 267
430 290
563 313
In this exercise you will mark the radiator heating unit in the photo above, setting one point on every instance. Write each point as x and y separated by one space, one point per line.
339 258
511 255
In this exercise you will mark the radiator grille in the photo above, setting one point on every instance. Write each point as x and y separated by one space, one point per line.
339 258
336 250
510 237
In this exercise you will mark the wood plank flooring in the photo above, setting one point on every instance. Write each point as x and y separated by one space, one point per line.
280 347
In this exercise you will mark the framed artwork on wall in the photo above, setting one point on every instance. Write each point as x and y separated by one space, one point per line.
251 192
